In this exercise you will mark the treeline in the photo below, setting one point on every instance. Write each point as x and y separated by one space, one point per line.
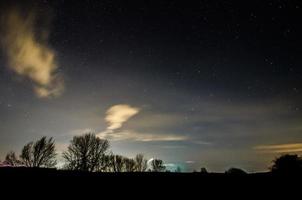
92 154
84 153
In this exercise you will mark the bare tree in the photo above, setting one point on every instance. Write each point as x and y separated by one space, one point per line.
141 163
86 153
39 154
130 165
158 165
117 163
11 159
203 170
106 163
26 155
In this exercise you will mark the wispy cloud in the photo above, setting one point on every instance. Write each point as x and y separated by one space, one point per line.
117 115
141 137
173 146
280 148
28 53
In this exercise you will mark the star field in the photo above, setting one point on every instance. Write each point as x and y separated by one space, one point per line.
212 80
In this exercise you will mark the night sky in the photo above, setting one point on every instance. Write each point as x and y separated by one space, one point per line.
213 84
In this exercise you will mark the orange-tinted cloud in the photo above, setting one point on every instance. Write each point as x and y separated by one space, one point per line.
29 55
117 115
280 148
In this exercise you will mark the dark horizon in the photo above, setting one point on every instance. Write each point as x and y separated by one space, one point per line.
211 84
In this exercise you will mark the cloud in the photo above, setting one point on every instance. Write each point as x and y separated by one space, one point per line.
140 137
173 146
280 148
28 53
119 114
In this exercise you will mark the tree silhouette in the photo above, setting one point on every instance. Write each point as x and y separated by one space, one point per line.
117 163
86 153
158 165
39 154
287 164
11 159
235 171
203 170
141 163
129 164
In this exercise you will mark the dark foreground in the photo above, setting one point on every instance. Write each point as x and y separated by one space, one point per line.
149 182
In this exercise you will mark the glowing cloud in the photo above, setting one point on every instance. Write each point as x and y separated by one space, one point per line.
119 114
141 137
280 148
29 54
190 162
